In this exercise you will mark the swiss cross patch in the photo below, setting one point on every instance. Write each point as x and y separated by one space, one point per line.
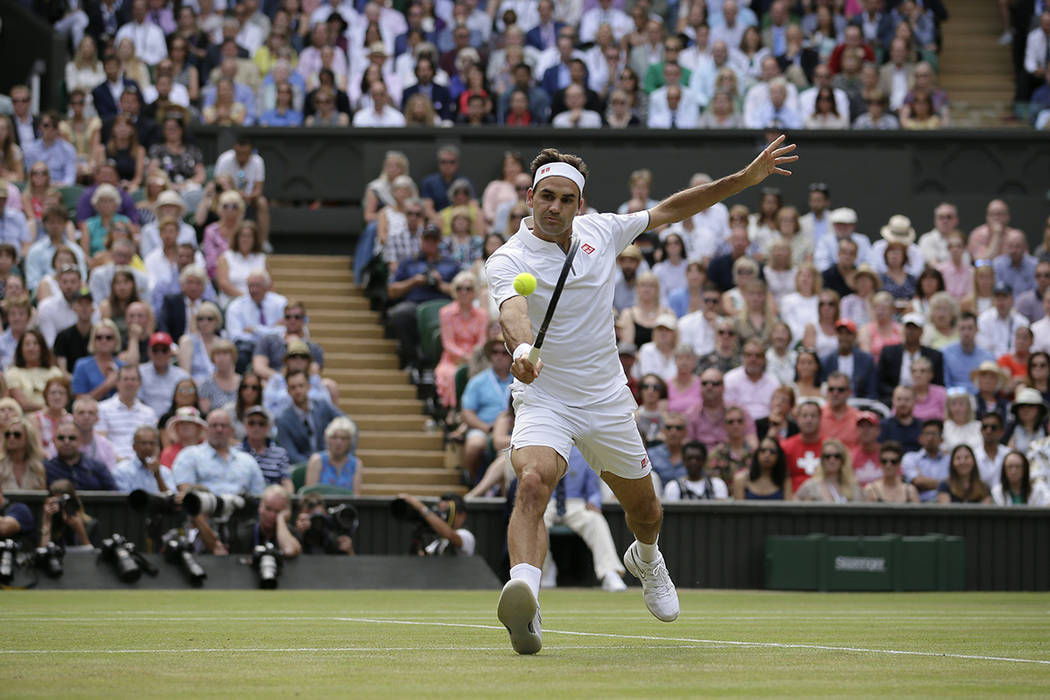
587 248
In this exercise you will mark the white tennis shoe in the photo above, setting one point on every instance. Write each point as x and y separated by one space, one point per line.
658 591
520 614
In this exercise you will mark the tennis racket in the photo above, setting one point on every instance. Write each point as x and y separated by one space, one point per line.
535 352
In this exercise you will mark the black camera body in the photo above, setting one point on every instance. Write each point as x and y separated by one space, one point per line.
267 560
128 563
326 527
9 550
423 535
178 550
49 559
151 503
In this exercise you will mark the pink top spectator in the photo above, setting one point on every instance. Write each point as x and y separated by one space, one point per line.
215 244
933 405
683 400
878 342
958 281
460 334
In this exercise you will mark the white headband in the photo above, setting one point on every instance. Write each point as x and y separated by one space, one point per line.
559 169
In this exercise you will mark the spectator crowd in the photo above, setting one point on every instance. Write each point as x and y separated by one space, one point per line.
864 64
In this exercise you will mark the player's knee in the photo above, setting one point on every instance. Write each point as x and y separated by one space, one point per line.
649 513
533 491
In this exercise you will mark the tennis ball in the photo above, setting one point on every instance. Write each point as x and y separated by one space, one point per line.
524 284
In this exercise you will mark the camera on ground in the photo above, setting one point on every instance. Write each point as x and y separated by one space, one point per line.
267 561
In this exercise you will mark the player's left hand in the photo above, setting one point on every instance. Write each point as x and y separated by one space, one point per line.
770 161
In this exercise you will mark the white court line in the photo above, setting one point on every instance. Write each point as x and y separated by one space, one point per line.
317 650
706 643
157 616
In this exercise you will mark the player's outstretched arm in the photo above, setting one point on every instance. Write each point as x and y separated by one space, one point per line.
686 203
517 329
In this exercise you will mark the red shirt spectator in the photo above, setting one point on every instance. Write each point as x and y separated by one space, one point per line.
803 450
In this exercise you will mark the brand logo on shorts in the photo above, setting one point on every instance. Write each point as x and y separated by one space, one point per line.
587 248
645 462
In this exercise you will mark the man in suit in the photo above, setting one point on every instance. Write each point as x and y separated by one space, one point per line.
177 310
300 427
850 360
105 18
895 360
545 34
557 78
27 126
106 97
897 76
438 95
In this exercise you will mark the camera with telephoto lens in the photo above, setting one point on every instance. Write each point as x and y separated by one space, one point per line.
178 550
213 505
327 526
151 503
267 561
68 504
424 534
8 559
49 559
128 563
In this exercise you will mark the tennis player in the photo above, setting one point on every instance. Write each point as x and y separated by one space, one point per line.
576 392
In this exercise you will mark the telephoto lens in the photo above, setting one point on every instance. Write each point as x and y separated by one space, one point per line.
118 552
267 559
8 550
178 550
49 559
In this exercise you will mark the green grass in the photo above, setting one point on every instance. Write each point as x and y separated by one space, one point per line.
354 644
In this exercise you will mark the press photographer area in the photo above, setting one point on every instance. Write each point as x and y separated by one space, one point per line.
147 541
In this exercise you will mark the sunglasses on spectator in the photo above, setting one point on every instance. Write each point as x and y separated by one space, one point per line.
104 337
251 386
711 382
838 389
12 434
293 317
831 455
413 212
674 427
66 438
891 460
230 205
710 300
725 332
651 385
38 172
255 423
465 289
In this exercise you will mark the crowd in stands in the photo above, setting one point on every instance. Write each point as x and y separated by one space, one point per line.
822 64
789 348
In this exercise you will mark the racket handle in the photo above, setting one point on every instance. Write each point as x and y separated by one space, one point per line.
534 354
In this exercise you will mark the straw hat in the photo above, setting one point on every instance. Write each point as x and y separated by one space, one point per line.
989 367
898 230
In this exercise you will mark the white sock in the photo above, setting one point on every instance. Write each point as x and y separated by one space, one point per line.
648 552
530 575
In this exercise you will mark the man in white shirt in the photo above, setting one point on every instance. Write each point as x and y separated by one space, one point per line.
159 376
56 312
248 171
996 326
150 44
1037 49
673 107
576 116
843 222
807 99
758 94
251 316
122 414
580 367
934 243
169 204
731 28
605 13
381 113
749 385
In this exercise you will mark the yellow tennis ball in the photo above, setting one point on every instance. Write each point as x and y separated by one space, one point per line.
524 284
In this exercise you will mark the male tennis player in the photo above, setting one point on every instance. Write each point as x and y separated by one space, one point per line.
577 392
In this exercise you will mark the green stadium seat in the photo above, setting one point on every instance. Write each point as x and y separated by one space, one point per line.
430 330
325 490
298 475
70 196
462 377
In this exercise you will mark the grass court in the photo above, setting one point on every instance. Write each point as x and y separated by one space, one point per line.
372 644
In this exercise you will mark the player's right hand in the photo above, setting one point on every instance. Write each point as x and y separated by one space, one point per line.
524 371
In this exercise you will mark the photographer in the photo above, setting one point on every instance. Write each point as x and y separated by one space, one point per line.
271 526
319 540
65 521
422 278
16 522
451 536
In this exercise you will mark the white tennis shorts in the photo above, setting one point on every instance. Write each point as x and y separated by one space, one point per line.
606 435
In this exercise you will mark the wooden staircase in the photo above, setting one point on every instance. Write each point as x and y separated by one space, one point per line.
398 452
975 71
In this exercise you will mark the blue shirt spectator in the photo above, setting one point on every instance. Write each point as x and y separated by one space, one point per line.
1017 274
132 475
487 395
660 457
13 226
38 260
922 463
959 363
86 474
580 481
20 513
445 268
272 117
87 376
231 474
906 435
59 155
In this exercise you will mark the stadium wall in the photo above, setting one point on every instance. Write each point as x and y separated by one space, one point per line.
876 173
714 545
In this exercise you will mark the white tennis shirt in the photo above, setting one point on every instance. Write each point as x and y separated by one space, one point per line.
580 364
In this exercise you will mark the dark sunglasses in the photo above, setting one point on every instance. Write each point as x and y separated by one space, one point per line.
710 382
674 427
104 337
891 460
11 434
831 455
66 438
